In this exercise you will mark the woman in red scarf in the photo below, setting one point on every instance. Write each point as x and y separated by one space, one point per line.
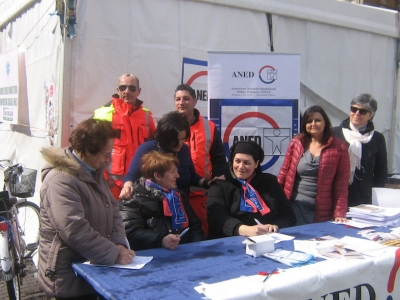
248 202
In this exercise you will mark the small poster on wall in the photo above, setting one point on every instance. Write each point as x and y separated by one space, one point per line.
9 86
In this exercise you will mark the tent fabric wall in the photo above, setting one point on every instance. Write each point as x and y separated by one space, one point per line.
346 49
354 60
150 39
338 54
38 39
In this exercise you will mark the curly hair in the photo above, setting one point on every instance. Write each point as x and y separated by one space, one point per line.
157 162
92 135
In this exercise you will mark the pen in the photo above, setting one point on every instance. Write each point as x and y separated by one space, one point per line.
127 244
270 274
258 222
183 232
251 240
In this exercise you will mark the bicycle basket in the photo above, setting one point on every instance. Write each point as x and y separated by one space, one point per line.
20 182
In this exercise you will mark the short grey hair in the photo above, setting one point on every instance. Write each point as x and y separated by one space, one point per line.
366 100
128 75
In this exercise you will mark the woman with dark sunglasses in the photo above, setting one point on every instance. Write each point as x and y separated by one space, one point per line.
367 149
172 131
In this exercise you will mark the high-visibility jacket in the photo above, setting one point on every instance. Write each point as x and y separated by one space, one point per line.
200 142
136 126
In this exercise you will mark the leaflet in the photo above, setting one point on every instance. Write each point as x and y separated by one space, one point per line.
137 263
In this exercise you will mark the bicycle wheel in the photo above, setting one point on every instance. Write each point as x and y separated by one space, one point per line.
13 285
29 222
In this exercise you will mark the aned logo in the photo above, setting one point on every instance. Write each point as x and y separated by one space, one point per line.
268 74
273 137
200 94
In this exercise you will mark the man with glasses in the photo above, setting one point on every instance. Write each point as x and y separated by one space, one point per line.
206 149
367 150
135 124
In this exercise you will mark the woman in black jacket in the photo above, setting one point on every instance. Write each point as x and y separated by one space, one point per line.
248 202
367 149
158 212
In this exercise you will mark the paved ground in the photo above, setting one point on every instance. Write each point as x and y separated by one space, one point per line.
30 289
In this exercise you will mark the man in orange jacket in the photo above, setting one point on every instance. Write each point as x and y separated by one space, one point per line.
206 148
136 126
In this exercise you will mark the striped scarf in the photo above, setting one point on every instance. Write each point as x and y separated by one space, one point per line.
250 200
172 205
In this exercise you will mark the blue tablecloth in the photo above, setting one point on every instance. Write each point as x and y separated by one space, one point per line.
174 274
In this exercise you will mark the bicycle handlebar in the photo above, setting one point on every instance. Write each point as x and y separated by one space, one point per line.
9 163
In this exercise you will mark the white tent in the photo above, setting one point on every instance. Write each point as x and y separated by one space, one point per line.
345 48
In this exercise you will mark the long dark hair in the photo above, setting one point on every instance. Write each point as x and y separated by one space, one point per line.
328 125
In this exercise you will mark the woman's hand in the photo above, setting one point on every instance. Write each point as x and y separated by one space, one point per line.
341 220
254 230
125 256
170 241
127 191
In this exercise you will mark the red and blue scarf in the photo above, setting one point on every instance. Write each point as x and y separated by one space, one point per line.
172 205
250 200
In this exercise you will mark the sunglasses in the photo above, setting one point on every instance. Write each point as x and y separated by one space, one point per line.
123 87
362 111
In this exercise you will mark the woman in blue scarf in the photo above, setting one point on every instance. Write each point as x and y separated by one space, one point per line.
248 202
158 213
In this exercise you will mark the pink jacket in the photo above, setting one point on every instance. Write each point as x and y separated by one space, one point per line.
332 181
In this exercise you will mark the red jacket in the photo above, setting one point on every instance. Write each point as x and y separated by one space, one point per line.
201 139
136 126
206 148
332 181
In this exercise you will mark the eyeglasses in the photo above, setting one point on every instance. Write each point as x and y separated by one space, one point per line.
123 87
106 155
362 111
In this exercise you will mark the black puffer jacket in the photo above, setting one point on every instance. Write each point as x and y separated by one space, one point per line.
145 223
373 171
223 205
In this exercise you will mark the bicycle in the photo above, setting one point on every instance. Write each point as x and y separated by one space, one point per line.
19 224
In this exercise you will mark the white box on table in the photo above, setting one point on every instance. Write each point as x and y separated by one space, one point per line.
258 245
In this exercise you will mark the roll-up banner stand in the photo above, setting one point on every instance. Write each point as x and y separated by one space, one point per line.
255 96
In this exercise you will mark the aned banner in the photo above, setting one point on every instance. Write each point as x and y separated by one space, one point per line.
254 96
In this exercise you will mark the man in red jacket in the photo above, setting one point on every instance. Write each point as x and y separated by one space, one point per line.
136 126
206 148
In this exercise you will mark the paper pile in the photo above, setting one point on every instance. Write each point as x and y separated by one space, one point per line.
375 215
291 258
